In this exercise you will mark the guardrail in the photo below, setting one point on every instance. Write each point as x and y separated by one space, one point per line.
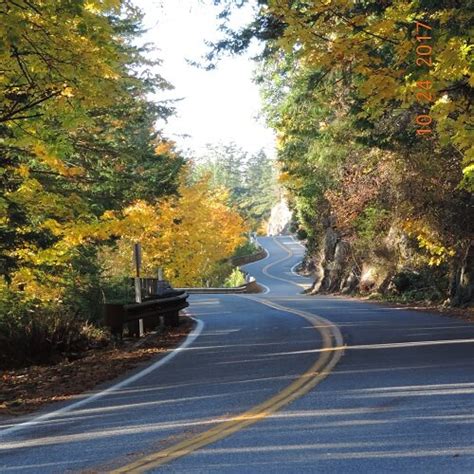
250 287
244 260
155 307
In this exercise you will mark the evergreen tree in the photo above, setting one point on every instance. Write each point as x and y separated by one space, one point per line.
250 179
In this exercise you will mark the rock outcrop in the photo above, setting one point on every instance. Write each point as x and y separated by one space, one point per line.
280 219
336 270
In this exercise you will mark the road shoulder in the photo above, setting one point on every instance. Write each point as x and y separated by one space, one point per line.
29 389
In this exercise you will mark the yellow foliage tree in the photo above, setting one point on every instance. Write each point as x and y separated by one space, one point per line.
389 49
187 235
77 138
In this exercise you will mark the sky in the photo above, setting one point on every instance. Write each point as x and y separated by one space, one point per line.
215 106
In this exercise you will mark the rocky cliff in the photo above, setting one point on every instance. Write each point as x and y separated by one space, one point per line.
390 269
280 219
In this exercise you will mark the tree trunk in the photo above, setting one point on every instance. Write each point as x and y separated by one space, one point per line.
462 279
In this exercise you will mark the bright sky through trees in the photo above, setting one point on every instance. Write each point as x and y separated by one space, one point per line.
217 106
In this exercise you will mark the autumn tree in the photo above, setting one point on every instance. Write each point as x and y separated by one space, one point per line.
345 88
78 137
188 235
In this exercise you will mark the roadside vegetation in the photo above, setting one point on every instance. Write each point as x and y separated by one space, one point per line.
250 178
236 278
246 249
85 174
372 105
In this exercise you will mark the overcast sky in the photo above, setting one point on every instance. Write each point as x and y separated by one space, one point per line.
217 106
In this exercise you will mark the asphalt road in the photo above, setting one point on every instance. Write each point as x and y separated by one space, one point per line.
400 399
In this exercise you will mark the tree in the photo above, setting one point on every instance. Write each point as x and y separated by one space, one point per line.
225 163
250 179
371 104
77 137
188 235
260 190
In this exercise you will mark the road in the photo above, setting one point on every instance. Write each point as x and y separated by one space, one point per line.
278 382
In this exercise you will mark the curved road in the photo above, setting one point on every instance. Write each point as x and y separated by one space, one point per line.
265 384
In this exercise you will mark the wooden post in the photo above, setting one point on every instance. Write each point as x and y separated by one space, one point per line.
137 260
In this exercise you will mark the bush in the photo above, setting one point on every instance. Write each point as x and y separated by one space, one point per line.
301 234
425 285
117 290
406 280
35 332
248 248
236 278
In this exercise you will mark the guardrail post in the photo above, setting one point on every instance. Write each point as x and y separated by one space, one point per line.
113 318
137 258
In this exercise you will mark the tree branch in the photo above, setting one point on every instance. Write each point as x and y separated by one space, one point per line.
11 115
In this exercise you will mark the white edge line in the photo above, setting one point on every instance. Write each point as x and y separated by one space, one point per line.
335 331
267 289
192 336
297 242
292 269
266 250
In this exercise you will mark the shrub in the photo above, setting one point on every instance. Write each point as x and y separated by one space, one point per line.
406 280
38 332
301 234
236 278
248 248
116 290
427 284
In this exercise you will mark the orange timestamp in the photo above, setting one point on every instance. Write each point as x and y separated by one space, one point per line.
424 59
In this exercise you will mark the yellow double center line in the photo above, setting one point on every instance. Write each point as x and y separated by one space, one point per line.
330 353
290 254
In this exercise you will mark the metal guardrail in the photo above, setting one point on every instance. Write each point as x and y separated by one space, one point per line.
162 303
218 290
250 287
244 260
116 316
